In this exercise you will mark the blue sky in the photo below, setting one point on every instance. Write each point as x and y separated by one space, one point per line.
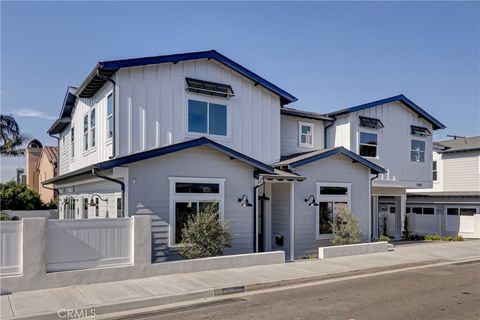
329 55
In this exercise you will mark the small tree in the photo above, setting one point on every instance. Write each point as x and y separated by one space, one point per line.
17 196
204 235
345 228
406 227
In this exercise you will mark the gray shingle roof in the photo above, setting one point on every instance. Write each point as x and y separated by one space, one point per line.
459 144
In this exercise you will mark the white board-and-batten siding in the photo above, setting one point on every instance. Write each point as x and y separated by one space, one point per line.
153 103
394 144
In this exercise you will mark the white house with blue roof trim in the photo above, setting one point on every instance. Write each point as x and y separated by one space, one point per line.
167 135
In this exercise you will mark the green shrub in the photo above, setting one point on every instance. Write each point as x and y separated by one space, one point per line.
433 237
406 226
4 217
17 196
204 235
457 238
382 238
345 228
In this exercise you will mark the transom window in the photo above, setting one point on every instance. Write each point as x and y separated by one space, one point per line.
188 197
109 116
461 211
372 123
434 172
332 197
368 144
417 153
208 118
305 134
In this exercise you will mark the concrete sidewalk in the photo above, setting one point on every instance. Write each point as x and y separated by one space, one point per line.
140 293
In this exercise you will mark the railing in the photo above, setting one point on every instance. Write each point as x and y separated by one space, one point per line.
11 248
84 244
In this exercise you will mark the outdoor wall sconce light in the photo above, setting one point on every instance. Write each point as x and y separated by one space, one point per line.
312 203
245 203
92 203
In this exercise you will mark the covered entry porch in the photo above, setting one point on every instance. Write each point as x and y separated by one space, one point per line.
389 207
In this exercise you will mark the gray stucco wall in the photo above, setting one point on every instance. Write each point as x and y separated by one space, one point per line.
289 135
333 169
151 194
281 216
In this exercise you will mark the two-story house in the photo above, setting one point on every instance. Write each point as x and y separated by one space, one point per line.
452 205
168 135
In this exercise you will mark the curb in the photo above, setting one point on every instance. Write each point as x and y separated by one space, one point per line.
114 310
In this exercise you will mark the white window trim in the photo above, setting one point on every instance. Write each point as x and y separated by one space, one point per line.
306 124
424 151
190 96
331 198
108 139
185 197
371 131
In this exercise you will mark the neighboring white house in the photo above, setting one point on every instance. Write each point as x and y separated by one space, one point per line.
452 205
167 135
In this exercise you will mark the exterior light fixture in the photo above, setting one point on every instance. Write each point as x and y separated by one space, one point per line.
92 203
245 203
312 203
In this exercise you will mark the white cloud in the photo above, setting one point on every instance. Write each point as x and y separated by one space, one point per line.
32 113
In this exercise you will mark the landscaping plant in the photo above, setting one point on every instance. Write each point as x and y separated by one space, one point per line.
204 235
406 226
17 196
345 227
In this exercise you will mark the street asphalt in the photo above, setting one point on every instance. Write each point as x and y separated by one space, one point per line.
439 292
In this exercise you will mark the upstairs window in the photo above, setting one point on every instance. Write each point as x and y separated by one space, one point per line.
72 142
420 131
208 118
85 132
305 134
209 88
92 128
434 172
417 153
109 116
368 144
372 123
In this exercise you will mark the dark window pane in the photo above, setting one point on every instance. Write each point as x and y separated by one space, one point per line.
417 210
392 209
434 178
417 156
452 211
418 145
203 205
420 131
434 163
92 119
333 190
197 116
368 138
368 151
428 211
370 123
110 127
85 123
186 187
183 210
109 105
326 217
306 129
467 211
218 119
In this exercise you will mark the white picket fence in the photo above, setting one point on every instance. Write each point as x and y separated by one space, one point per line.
92 243
11 248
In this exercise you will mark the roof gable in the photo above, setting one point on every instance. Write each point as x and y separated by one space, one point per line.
96 79
308 157
400 98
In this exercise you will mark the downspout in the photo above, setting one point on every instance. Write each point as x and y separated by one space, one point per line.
371 205
121 183
113 111
325 132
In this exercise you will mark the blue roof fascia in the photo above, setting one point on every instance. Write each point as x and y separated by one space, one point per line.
401 98
182 146
340 150
211 54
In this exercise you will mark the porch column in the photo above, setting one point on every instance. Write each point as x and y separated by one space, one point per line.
401 204
375 217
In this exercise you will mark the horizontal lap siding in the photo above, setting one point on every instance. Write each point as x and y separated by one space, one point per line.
151 194
461 171
334 169
290 134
